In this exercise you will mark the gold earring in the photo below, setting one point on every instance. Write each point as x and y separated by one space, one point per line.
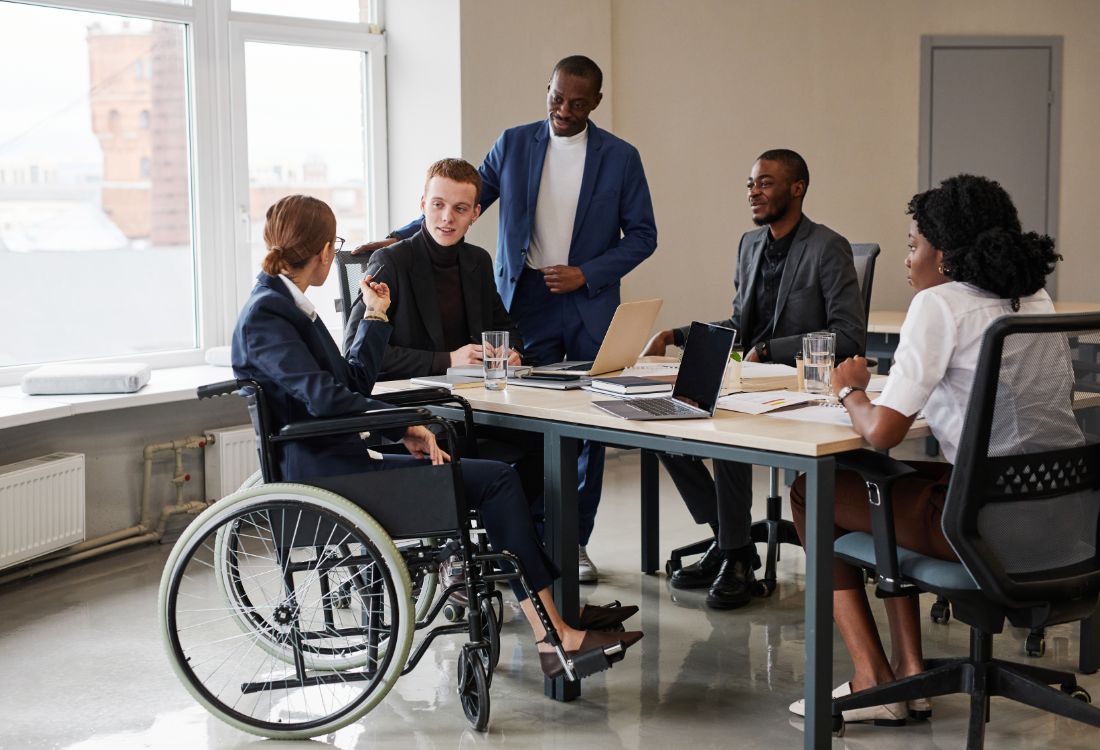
939 269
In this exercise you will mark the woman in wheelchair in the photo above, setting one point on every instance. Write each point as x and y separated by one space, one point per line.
969 263
281 344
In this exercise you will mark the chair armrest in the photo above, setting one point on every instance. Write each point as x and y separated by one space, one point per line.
378 419
879 471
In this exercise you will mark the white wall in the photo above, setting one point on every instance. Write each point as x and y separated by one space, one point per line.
838 81
703 86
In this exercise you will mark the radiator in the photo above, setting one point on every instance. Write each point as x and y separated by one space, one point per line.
230 460
41 506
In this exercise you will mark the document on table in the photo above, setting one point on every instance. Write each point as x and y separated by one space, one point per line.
765 370
822 414
762 402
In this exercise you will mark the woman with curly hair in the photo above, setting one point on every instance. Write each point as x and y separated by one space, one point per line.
969 263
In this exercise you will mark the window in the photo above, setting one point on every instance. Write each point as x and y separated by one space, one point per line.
89 264
104 168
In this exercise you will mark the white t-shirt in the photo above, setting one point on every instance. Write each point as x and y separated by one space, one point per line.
937 355
559 192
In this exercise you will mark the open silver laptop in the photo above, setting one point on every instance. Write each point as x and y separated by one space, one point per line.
625 339
706 353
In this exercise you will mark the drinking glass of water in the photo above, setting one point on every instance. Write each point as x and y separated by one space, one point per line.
494 345
818 353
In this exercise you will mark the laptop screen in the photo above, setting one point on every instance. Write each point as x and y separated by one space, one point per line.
706 352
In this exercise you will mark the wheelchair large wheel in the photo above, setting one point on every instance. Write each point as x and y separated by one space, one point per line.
272 658
230 543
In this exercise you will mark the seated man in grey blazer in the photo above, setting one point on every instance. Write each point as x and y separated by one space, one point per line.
793 276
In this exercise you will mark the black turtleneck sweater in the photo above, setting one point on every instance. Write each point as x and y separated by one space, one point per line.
448 293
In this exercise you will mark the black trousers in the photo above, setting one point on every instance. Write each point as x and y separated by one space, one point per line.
725 499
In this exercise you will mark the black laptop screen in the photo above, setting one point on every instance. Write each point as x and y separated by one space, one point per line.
706 352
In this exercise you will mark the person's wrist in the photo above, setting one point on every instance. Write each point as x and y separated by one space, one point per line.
847 391
763 351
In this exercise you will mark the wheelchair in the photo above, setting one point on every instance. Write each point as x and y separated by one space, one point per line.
289 610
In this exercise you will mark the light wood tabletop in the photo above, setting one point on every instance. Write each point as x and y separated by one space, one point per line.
889 321
725 428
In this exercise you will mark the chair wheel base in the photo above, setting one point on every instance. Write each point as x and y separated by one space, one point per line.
1036 645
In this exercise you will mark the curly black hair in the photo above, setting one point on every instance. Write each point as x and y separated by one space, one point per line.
974 222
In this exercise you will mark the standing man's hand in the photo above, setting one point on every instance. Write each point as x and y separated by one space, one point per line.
659 343
563 279
372 246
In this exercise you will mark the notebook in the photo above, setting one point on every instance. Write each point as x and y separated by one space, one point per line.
695 396
624 341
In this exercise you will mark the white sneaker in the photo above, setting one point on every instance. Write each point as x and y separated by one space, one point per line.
586 569
888 714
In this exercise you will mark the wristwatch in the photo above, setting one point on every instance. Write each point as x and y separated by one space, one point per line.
847 391
762 352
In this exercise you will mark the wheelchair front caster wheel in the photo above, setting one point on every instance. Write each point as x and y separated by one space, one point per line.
473 689
453 612
668 568
941 612
838 726
763 589
490 633
1035 645
341 595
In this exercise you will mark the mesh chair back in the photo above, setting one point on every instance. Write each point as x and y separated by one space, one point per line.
1023 507
864 255
352 269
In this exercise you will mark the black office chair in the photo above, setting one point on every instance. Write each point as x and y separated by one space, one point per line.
1023 514
352 269
774 530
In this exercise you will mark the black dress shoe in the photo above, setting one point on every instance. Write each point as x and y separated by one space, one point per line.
733 586
699 575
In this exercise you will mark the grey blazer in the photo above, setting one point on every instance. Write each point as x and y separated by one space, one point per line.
819 291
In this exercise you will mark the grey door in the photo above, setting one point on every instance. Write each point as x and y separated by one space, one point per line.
989 106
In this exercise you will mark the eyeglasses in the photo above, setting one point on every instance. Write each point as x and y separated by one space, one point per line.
337 244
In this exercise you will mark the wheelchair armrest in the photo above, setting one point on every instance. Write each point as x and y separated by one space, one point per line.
224 388
880 472
425 396
415 397
378 419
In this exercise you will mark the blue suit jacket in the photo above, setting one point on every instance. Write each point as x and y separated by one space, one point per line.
304 376
613 231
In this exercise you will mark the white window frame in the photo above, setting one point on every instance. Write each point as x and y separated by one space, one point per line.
217 138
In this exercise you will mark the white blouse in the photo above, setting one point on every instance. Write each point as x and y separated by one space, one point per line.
937 354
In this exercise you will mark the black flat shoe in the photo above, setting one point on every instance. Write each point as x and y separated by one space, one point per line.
734 584
605 617
699 575
593 640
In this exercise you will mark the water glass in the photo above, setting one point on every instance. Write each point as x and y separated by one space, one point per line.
818 353
494 345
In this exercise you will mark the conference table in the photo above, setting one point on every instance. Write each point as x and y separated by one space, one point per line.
565 417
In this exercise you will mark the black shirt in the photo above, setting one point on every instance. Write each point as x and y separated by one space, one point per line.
448 295
766 287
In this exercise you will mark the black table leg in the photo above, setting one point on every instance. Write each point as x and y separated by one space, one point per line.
820 482
651 513
560 477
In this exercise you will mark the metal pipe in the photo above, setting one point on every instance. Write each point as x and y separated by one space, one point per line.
66 560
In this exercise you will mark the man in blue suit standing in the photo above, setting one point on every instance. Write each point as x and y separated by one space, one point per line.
575 218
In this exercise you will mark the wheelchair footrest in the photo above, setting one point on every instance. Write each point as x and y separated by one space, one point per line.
591 662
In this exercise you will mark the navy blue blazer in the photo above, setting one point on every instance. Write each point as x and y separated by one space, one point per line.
303 374
614 229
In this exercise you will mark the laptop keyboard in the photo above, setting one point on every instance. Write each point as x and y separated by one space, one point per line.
580 367
661 407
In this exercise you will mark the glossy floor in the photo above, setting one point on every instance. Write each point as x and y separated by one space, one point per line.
83 667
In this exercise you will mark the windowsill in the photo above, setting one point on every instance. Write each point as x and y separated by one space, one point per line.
168 385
